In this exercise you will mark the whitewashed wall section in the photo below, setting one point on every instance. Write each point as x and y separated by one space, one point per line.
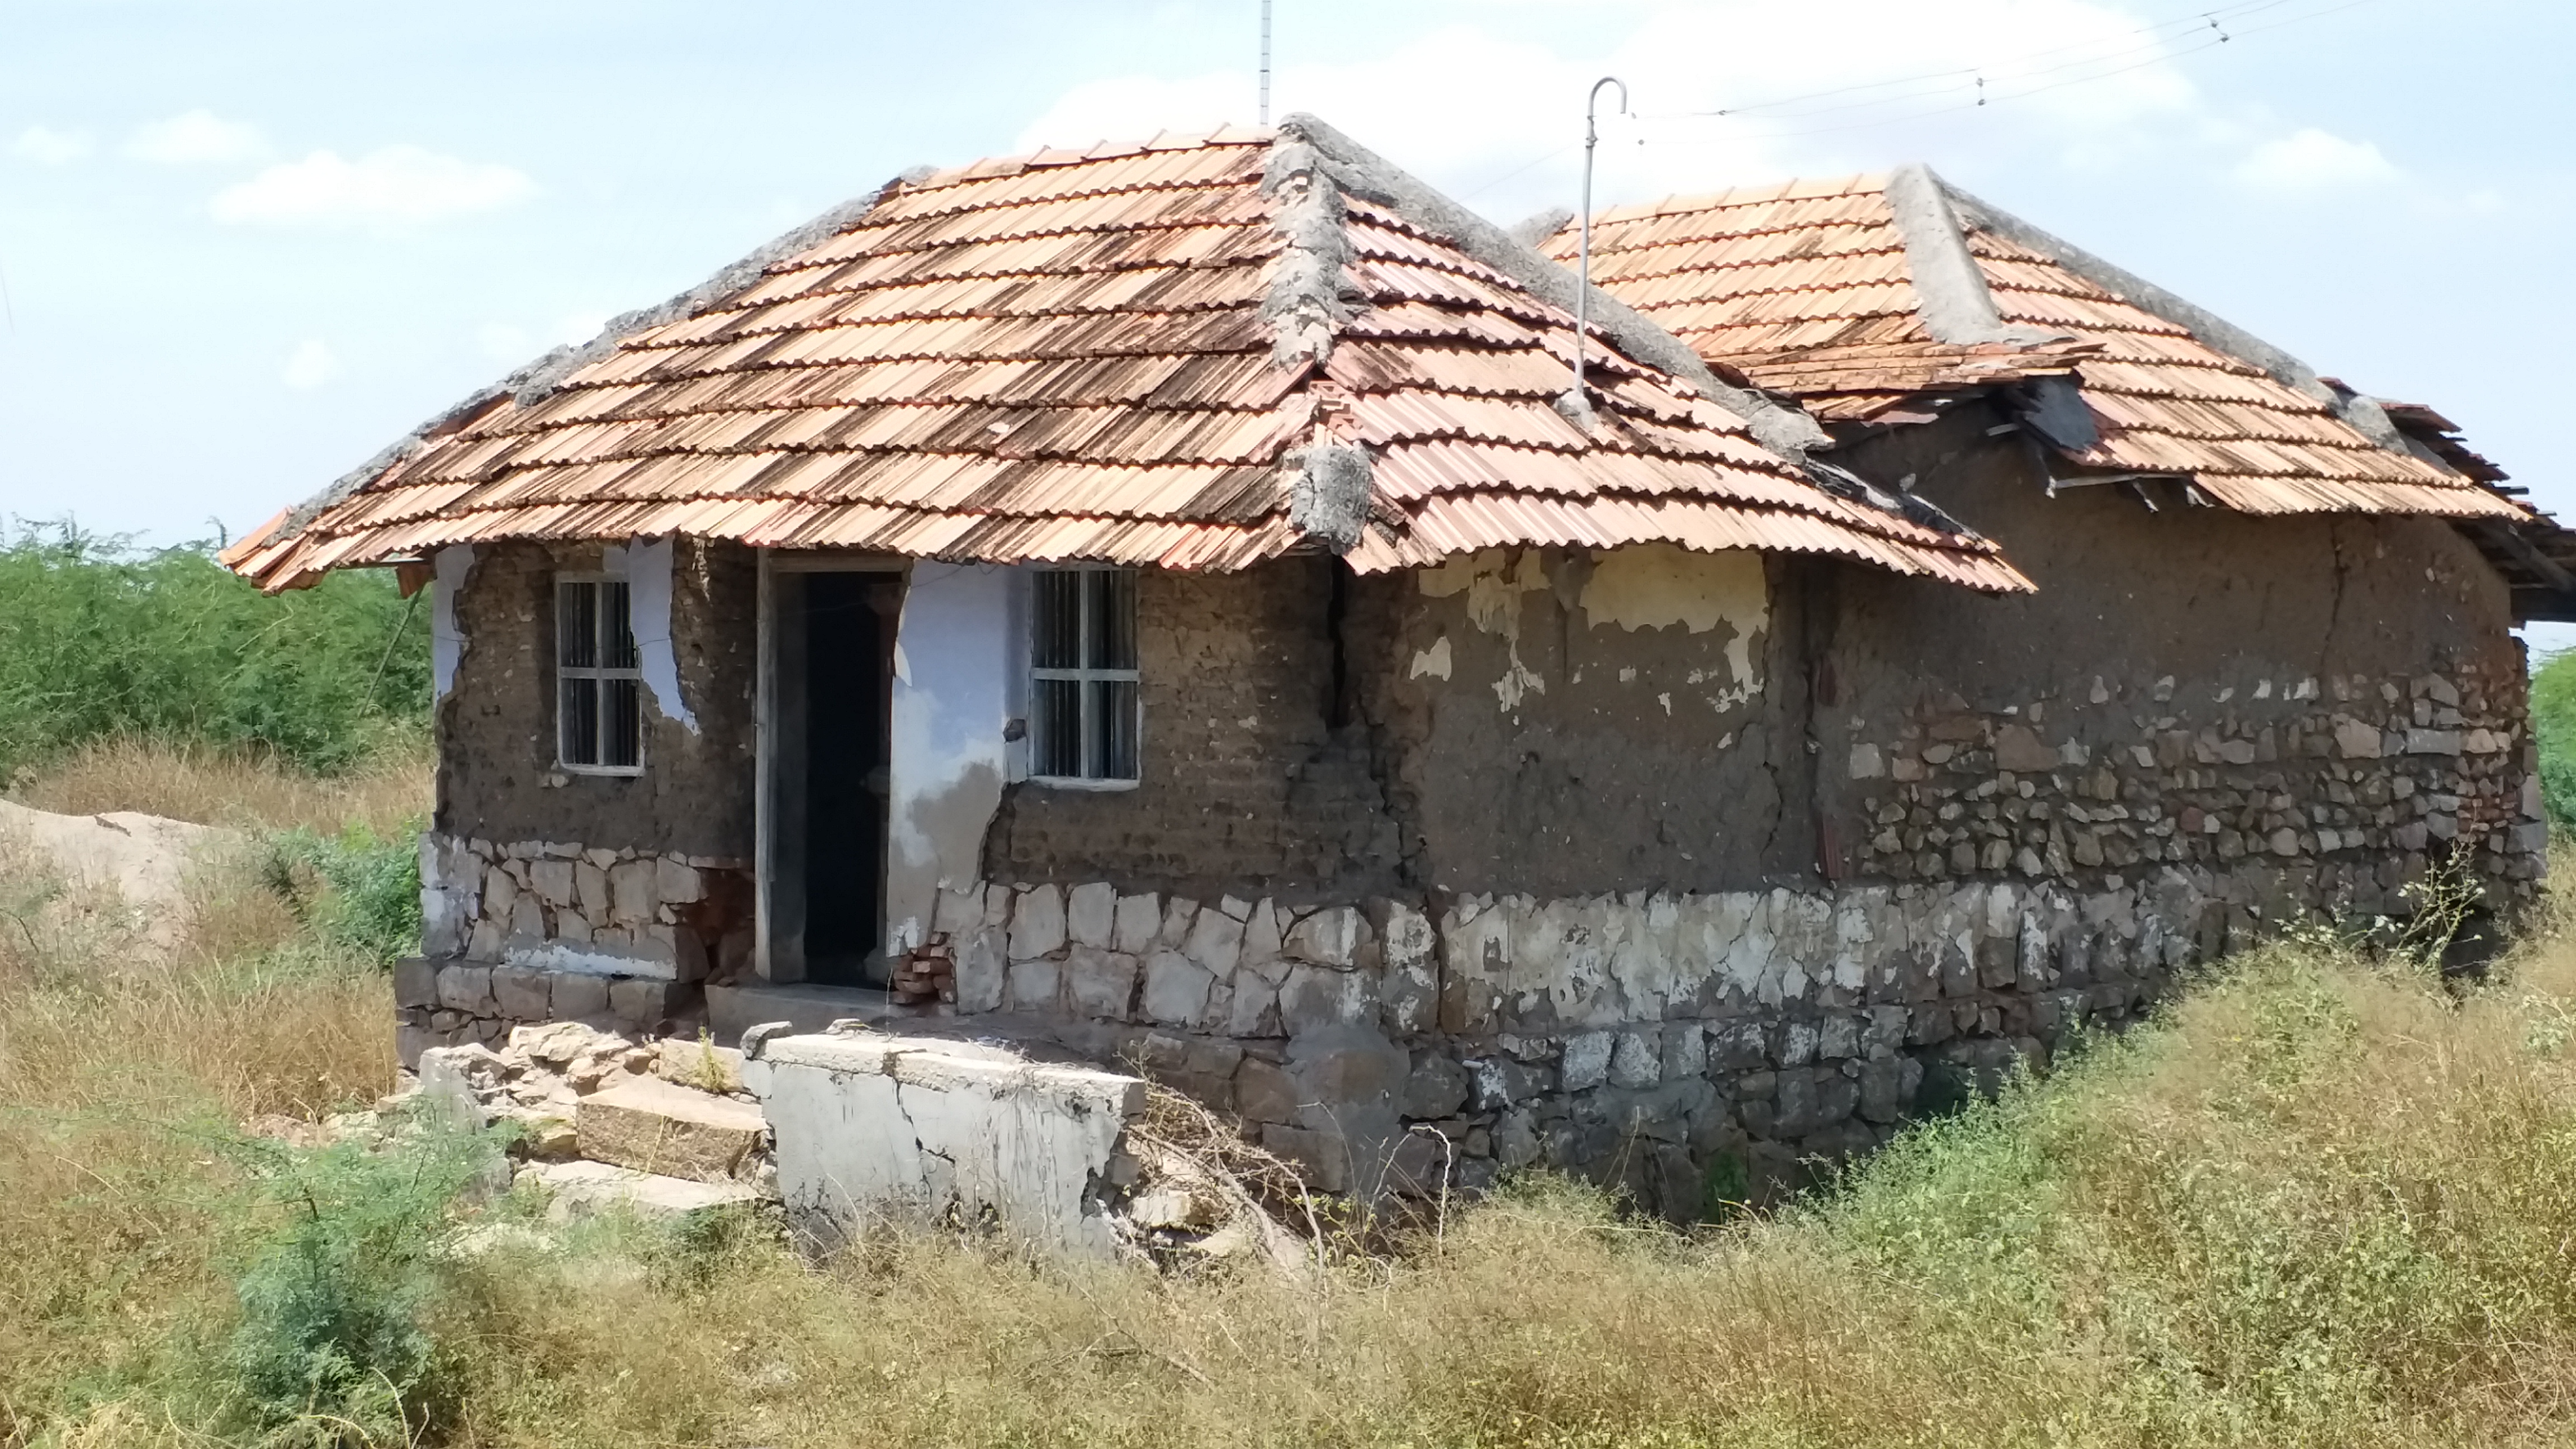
958 653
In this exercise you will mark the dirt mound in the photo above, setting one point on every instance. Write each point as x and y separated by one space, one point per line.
143 859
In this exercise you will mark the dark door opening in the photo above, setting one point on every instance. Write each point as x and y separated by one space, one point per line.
849 631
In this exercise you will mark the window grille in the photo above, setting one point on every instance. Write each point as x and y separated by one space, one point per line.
599 717
1084 707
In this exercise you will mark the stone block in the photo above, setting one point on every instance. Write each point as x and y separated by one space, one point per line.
1264 1092
1137 921
1176 989
576 1191
1091 915
645 1004
1438 1087
1037 923
1216 941
576 996
703 1065
1100 983
1329 937
676 882
1034 985
1321 1158
522 993
1252 1008
1738 1046
552 880
1636 1059
590 891
2433 742
631 902
1685 1051
1586 1063
654 1126
415 982
466 989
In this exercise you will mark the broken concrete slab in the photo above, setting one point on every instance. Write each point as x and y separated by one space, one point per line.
655 1126
874 1123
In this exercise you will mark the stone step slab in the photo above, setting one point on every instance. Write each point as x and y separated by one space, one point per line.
672 1131
581 1190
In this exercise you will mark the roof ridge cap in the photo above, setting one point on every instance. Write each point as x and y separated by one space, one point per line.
1356 169
2361 413
1951 294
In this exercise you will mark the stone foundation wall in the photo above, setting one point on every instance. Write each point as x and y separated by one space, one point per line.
1669 1042
520 932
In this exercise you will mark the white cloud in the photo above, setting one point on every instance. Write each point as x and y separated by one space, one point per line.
48 147
310 365
1465 108
2310 162
196 138
395 186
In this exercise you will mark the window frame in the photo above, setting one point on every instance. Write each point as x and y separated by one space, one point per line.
1086 627
599 676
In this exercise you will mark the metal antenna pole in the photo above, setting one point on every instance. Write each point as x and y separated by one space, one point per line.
1265 62
1581 400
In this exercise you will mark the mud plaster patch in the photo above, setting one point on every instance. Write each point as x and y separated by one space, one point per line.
1493 583
1657 585
1433 661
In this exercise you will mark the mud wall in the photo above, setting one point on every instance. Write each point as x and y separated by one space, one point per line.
1246 781
2339 697
497 775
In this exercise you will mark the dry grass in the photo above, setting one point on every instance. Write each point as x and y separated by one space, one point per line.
2320 1203
213 786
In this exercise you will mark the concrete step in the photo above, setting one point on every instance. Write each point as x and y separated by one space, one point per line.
587 1189
659 1127
733 1009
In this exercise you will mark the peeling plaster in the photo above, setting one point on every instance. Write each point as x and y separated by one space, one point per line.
451 566
1433 662
647 570
1493 583
1657 585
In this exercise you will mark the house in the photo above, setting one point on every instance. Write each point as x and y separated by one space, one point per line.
1168 600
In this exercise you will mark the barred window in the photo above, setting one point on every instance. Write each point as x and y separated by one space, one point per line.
1083 708
599 717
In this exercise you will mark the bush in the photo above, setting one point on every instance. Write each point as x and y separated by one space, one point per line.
2553 720
356 891
331 1345
100 638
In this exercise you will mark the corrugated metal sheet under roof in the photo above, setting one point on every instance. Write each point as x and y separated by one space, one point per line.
1131 354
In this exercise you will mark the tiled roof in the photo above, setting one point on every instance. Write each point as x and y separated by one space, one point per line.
1807 289
1089 355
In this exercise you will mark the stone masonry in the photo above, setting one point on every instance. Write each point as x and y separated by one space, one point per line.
533 931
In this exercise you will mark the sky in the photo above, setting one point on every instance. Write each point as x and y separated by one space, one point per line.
245 245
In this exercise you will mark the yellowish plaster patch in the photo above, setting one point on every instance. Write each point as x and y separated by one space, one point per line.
1659 585
1433 661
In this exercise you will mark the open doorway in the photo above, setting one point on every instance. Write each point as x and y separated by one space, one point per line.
832 662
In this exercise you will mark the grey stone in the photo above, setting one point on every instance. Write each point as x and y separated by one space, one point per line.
1091 915
415 982
630 893
522 993
1252 1008
1138 920
1636 1059
644 1004
1328 937
1264 1092
1320 996
575 996
1586 1062
552 881
1100 983
467 989
1685 1050
1033 985
1176 989
676 883
1738 1046
1216 941
1438 1087
1037 923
